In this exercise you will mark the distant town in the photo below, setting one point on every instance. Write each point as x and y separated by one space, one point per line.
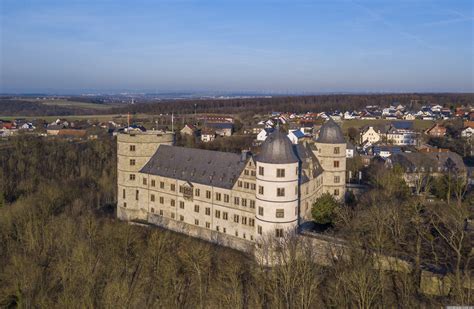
418 139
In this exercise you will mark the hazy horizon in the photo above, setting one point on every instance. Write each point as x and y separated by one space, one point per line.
269 47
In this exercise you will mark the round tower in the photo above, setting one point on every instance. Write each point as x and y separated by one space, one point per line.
277 187
331 153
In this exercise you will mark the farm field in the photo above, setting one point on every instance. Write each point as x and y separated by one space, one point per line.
74 104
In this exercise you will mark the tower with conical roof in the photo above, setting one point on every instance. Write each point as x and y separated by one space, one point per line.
277 195
331 153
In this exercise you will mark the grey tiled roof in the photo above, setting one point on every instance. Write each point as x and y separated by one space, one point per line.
330 133
435 161
277 149
214 168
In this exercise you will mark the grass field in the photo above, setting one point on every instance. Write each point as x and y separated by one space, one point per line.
73 117
418 124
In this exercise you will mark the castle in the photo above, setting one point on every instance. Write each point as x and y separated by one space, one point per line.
226 198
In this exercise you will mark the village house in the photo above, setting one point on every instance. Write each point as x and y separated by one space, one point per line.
263 134
370 134
417 166
208 135
190 130
437 130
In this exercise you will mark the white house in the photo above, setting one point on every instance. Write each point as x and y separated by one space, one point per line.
208 135
370 135
350 149
295 136
401 136
467 132
263 134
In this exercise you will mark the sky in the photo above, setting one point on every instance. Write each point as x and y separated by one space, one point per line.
263 46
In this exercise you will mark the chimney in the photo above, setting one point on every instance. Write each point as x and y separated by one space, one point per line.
244 155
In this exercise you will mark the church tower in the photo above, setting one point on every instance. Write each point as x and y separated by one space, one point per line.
277 194
331 153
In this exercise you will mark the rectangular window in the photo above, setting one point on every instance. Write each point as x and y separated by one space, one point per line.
246 185
237 233
161 212
144 181
337 179
152 197
259 229
162 200
279 233
246 172
236 200
226 198
153 183
224 230
336 150
208 194
225 215
196 208
251 222
260 211
280 172
132 176
173 203
218 214
153 210
252 173
136 195
236 218
132 147
260 170
197 192
252 186
336 192
172 215
208 225
132 162
260 189
239 184
124 205
217 228
252 204
208 211
280 191
196 221
162 185
244 220
244 202
173 187
218 196
123 193
336 163
181 204
280 213
181 218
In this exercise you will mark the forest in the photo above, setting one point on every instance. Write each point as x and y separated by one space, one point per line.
61 246
297 104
